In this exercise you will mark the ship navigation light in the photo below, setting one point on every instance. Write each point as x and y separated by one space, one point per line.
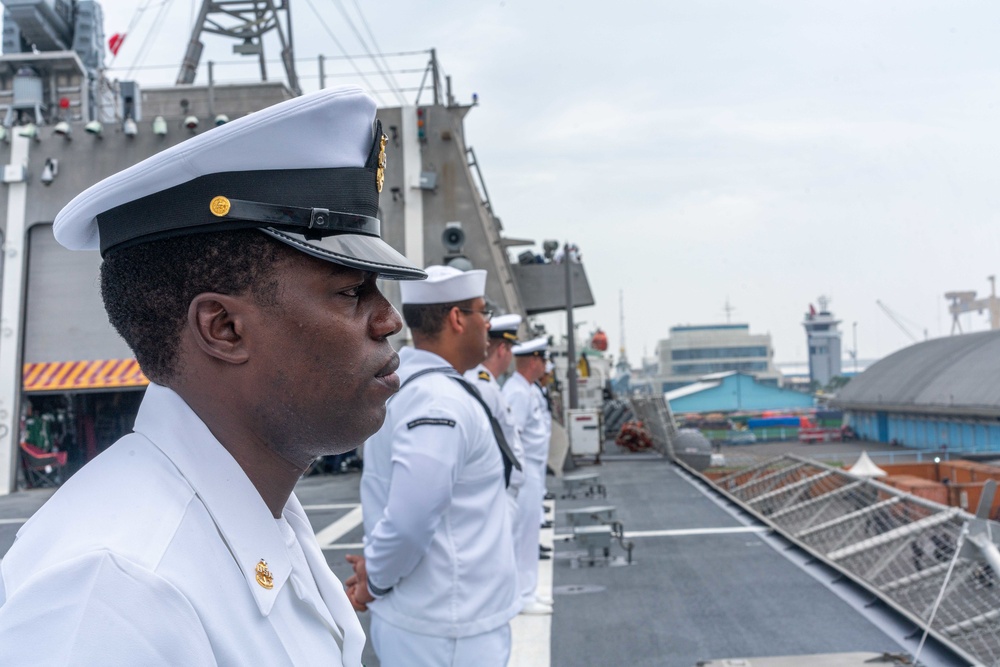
191 123
130 128
29 131
94 127
160 126
221 119
64 130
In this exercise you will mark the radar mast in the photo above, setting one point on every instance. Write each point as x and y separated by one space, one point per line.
247 21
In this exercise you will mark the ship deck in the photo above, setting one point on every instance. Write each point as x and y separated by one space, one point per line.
706 582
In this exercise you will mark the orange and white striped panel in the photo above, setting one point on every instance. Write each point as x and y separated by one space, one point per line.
76 375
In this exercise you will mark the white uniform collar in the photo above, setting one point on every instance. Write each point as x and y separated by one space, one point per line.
239 512
412 360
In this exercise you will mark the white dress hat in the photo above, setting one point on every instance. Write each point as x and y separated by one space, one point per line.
537 346
307 172
505 326
444 284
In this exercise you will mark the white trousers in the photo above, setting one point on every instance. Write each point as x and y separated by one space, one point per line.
396 647
527 526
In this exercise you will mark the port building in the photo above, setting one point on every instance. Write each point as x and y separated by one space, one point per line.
823 337
938 393
731 391
693 351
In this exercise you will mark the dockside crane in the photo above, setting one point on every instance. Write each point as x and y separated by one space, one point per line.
897 320
966 302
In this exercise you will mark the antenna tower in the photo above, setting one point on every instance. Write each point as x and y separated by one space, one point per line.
621 321
729 308
253 19
622 365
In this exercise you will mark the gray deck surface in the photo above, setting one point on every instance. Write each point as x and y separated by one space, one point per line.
686 597
693 597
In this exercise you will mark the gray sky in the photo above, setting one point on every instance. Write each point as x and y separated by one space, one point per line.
760 152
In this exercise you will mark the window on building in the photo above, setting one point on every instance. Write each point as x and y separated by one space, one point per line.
719 353
704 369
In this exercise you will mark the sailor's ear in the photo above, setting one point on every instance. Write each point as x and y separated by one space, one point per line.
454 320
217 323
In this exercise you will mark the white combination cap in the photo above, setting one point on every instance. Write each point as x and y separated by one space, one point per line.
505 326
307 172
537 346
444 284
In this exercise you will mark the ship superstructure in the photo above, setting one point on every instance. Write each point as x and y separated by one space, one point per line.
58 354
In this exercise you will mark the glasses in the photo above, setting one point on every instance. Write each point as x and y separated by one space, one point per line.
487 314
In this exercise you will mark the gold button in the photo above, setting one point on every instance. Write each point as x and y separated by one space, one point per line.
220 206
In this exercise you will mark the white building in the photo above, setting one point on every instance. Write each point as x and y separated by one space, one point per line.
824 343
694 351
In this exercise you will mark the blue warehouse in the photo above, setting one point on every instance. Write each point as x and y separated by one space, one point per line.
940 393
732 391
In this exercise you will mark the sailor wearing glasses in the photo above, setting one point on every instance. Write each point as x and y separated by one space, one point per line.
438 568
530 411
503 337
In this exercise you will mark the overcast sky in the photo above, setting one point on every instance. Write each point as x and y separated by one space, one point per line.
763 153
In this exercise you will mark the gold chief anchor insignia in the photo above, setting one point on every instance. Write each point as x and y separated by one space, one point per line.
380 174
264 577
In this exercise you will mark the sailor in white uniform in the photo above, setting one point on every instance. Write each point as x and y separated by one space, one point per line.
529 409
503 337
240 267
438 568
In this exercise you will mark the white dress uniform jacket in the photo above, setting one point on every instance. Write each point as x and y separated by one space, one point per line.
529 410
437 531
531 415
148 556
482 379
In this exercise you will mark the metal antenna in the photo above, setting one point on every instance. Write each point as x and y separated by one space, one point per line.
254 18
729 308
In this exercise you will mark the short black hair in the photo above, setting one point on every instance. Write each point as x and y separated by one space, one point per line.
427 319
147 288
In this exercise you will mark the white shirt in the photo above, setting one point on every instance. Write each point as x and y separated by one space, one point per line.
148 556
527 405
482 379
437 530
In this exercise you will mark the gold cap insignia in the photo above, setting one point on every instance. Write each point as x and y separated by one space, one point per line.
219 206
264 576
380 174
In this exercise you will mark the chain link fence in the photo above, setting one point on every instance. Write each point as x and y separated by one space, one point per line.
903 548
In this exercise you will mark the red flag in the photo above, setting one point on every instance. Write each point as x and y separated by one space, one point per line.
115 42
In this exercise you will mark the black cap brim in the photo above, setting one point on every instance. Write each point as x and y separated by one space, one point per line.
357 251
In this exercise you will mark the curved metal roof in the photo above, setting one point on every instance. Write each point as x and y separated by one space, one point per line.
952 375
